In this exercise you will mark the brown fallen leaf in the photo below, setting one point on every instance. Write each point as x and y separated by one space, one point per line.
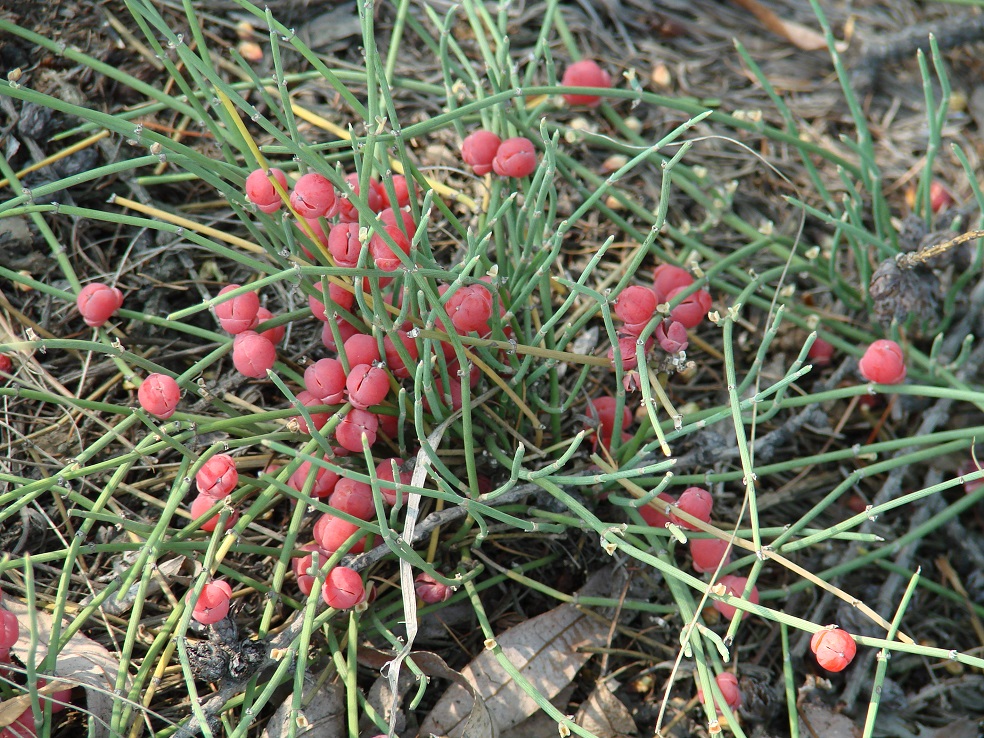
604 715
796 33
544 649
81 661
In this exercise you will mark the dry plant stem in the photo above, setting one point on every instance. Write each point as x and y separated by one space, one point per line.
908 261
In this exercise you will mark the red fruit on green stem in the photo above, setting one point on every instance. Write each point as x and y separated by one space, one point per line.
324 479
635 306
692 309
308 400
252 354
240 313
655 513
516 157
939 196
217 477
202 504
21 727
834 648
478 150
213 603
343 589
734 585
394 360
313 196
604 409
97 302
356 424
159 395
325 380
6 364
698 502
344 244
883 363
354 498
584 73
275 334
361 349
667 278
261 192
367 385
728 684
345 331
708 553
9 629
821 352
672 336
469 308
401 192
376 199
430 590
331 532
384 471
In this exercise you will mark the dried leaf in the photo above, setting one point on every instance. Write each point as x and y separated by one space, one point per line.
478 723
817 719
322 713
797 34
544 649
81 662
604 715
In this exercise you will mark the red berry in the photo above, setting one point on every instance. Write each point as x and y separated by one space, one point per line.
516 157
834 648
308 400
274 335
343 588
22 726
707 553
821 352
604 409
692 310
304 568
635 305
345 331
252 354
883 363
393 358
401 192
239 314
159 395
939 196
313 196
698 502
213 603
202 504
655 512
430 590
354 498
331 532
97 302
217 477
627 349
261 192
6 364
470 309
9 629
478 150
384 472
361 349
344 244
383 255
354 425
734 585
585 73
324 479
367 385
667 278
375 200
60 699
728 684
325 380
672 336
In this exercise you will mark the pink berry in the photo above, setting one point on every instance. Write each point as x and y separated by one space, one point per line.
627 349
331 532
734 585
308 400
21 727
354 498
604 409
383 255
430 590
393 358
585 73
470 308
60 699
655 512
728 684
883 363
324 479
213 603
698 502
97 302
821 353
356 424
325 379
361 349
261 192
672 336
707 553
202 504
384 472
345 330
667 278
217 477
516 157
478 150
9 629
834 649
367 385
275 334
939 196
635 306
401 192
6 364
344 244
692 310
375 200
304 568
159 395
313 196
240 313
252 354
343 588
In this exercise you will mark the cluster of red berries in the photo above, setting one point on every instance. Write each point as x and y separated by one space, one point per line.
485 152
216 479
